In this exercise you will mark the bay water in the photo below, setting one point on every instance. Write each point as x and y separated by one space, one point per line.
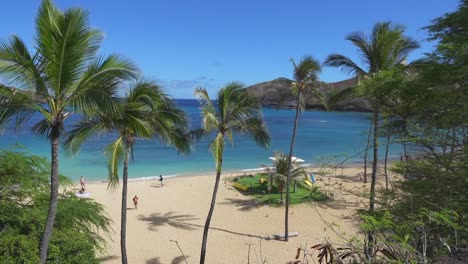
321 137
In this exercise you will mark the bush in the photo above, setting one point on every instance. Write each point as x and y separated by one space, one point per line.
24 200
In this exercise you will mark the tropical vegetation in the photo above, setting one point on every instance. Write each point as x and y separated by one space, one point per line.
253 185
61 77
232 111
305 80
81 225
420 218
145 112
387 47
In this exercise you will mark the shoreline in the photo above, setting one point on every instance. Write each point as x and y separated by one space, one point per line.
177 212
236 172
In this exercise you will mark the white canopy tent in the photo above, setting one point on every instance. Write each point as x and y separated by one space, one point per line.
293 159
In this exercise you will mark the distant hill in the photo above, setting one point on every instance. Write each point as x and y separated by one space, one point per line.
277 94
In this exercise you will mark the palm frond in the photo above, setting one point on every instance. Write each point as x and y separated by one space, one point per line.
68 43
217 148
15 105
20 68
280 166
233 111
386 47
210 116
197 134
202 94
339 95
307 70
42 128
364 47
82 131
99 84
115 153
345 63
182 140
257 130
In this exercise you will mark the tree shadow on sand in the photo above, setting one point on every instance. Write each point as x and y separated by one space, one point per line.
180 221
108 258
339 204
228 231
179 260
153 261
347 178
170 218
176 260
242 204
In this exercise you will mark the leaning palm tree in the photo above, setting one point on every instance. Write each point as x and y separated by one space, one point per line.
63 75
233 111
305 80
145 112
280 170
385 48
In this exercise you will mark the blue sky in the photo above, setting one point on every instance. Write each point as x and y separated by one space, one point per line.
184 44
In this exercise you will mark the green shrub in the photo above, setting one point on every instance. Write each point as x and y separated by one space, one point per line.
24 200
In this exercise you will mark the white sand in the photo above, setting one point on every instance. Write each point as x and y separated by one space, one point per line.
178 211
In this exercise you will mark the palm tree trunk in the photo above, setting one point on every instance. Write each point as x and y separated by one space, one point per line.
281 191
123 212
369 136
370 235
54 185
210 213
387 146
288 179
405 150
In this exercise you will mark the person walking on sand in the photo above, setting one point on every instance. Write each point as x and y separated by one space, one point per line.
161 180
83 187
135 202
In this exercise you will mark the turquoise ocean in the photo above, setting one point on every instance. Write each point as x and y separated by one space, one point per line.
321 136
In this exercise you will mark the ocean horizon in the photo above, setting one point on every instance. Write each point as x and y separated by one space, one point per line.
321 137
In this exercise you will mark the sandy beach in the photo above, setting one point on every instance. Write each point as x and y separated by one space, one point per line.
178 210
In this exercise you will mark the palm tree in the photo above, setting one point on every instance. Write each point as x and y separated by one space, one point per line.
279 172
386 47
305 80
62 76
233 111
145 112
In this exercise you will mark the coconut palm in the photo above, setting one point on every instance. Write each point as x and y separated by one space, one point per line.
145 112
385 48
279 172
62 76
233 111
305 80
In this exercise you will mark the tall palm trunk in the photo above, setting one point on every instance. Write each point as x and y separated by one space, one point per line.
281 191
123 212
369 136
54 185
405 150
288 179
210 213
370 235
387 146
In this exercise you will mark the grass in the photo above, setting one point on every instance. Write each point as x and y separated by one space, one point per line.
259 190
